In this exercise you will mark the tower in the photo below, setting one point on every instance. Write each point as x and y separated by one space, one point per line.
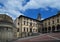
58 12
39 17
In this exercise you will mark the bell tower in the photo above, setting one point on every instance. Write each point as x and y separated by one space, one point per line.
39 17
58 12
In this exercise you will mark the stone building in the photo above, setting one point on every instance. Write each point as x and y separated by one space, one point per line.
26 26
7 28
51 24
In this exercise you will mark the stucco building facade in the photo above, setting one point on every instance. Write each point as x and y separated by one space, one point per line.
51 24
26 25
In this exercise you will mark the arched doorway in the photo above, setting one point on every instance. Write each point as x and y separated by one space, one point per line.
42 30
49 29
58 28
45 29
39 30
53 29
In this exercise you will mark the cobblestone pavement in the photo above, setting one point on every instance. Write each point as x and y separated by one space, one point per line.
54 37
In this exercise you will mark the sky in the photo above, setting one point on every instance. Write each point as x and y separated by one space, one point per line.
30 8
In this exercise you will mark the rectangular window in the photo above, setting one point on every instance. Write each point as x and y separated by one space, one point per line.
27 29
30 24
45 24
17 29
30 29
6 28
57 20
18 23
24 22
24 29
53 22
27 23
48 23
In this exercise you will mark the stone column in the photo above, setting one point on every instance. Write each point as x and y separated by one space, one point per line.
40 30
47 30
43 30
51 29
55 28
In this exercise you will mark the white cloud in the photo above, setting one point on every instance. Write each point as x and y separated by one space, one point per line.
42 18
13 7
35 4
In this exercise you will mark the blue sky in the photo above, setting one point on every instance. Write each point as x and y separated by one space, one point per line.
30 8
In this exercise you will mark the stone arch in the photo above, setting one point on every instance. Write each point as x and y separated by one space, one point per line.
58 28
42 30
49 29
53 28
45 29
